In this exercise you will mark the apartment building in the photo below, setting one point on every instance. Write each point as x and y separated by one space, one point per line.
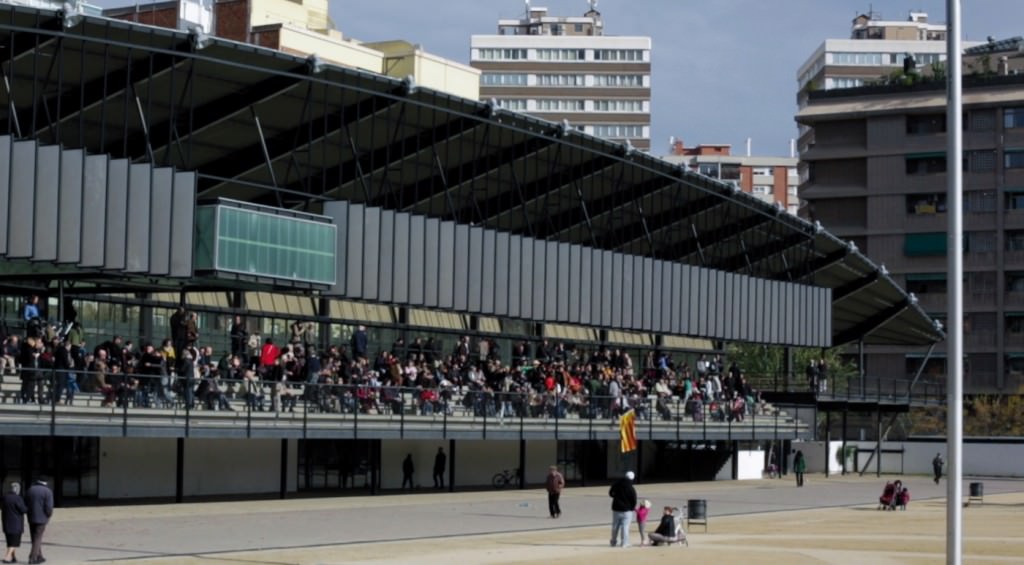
876 175
771 179
567 68
303 27
875 48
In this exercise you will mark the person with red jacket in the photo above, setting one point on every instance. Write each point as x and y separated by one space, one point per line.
269 353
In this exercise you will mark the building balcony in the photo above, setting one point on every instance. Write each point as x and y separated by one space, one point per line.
1013 259
979 339
1014 301
1013 341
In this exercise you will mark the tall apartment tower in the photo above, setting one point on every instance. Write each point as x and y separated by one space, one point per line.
566 68
876 176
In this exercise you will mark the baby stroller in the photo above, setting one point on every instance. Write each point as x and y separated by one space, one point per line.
679 517
885 502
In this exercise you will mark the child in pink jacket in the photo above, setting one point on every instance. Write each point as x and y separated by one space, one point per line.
641 517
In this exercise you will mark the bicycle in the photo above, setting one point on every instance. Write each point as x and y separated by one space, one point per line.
505 478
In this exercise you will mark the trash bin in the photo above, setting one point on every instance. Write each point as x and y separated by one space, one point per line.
976 492
697 513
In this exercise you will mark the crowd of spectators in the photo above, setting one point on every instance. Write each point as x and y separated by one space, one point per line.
543 379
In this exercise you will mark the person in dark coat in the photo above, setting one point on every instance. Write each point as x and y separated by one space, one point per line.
39 500
799 467
13 512
623 496
407 471
360 343
440 462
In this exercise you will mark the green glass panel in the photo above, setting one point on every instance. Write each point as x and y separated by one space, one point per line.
206 218
264 244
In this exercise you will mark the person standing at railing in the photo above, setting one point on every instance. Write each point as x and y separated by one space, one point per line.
823 375
65 379
812 375
29 361
239 338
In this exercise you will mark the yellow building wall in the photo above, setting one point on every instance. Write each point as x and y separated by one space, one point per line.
308 14
402 59
345 53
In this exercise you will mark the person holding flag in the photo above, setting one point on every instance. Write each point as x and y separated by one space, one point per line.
623 496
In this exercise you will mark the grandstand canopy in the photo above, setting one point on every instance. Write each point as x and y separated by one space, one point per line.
265 127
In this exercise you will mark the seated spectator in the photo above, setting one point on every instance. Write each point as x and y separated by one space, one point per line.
253 390
9 356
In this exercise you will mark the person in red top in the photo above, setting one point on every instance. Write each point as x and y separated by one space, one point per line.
269 353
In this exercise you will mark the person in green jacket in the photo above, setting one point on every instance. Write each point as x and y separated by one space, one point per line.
799 466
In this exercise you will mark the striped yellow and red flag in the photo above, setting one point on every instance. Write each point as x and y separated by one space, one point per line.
627 432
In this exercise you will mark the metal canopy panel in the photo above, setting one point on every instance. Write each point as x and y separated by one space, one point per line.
161 209
94 205
117 215
47 205
401 264
386 280
21 202
183 215
5 187
139 201
69 216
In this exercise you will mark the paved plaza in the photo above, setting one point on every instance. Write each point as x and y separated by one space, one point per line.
830 520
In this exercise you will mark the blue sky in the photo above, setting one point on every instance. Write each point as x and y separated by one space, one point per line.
723 70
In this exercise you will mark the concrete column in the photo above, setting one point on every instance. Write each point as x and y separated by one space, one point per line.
179 476
451 465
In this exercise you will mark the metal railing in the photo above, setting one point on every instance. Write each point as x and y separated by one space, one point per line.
154 405
853 388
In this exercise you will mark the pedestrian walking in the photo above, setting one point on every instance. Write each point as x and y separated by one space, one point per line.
13 511
39 500
937 464
440 462
555 483
407 471
623 496
799 466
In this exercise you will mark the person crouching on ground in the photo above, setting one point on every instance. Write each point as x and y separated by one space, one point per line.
641 517
623 497
666 532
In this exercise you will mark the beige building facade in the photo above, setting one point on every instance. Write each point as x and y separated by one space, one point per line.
567 69
875 174
876 47
771 179
304 28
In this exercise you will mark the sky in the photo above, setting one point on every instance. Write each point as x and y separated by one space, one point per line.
723 70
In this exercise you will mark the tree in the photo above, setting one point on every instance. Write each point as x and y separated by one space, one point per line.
767 361
984 415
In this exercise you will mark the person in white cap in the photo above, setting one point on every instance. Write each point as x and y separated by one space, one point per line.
623 497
